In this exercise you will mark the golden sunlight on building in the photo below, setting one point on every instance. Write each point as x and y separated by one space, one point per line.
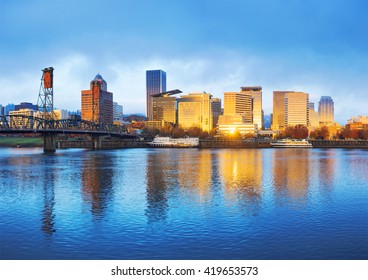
194 110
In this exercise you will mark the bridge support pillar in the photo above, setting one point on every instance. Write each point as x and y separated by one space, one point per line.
96 142
49 143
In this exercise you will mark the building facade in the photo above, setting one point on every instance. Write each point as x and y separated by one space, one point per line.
118 113
296 109
238 103
216 110
20 122
164 109
97 102
257 114
290 108
155 83
194 110
326 109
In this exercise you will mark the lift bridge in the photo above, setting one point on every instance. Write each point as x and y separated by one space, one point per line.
46 123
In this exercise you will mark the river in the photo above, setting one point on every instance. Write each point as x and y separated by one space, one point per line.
184 204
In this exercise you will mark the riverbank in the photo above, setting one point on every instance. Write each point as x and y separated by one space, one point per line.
117 143
13 142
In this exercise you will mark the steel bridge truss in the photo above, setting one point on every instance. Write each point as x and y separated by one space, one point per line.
21 123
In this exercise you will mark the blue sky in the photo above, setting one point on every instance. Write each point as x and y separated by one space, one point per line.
315 46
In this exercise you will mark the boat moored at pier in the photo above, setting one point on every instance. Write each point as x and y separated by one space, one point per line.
188 142
291 143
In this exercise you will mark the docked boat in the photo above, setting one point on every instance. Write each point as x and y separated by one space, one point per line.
291 143
169 142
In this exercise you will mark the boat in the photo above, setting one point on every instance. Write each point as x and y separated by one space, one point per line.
169 142
291 143
19 146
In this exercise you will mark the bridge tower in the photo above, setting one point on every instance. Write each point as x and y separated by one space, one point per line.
46 107
46 94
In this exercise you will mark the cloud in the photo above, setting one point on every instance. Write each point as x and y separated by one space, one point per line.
215 72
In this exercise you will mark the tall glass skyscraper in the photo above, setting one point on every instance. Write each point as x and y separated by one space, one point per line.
155 83
326 109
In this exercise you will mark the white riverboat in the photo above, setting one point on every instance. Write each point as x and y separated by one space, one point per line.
169 142
291 143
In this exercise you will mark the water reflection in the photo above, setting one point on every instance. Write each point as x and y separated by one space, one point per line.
291 173
326 169
195 171
241 176
158 166
48 215
97 181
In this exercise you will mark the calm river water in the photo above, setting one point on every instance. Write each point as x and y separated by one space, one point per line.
184 204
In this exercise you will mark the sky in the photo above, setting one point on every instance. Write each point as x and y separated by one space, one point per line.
315 46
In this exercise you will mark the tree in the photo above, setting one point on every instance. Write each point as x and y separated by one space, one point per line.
178 132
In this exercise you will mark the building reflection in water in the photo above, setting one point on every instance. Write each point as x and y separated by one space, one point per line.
38 166
291 173
97 181
158 167
48 215
241 176
326 169
195 172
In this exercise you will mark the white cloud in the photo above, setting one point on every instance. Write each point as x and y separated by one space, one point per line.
213 73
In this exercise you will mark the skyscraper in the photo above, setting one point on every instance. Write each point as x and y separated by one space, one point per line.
289 109
155 83
164 109
194 110
256 94
326 109
216 110
238 103
296 108
97 102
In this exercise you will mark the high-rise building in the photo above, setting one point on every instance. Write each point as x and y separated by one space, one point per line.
194 110
278 115
19 122
326 109
216 110
313 116
61 114
296 108
118 113
97 102
155 83
256 94
289 109
238 103
164 109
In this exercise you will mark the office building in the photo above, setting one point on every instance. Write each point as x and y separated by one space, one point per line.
296 109
238 103
118 113
97 102
216 110
164 109
326 109
257 113
155 83
229 124
289 109
194 110
20 122
313 116
61 114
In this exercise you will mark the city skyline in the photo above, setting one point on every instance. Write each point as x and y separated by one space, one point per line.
317 47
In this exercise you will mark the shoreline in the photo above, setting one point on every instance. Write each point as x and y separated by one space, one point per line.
14 142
